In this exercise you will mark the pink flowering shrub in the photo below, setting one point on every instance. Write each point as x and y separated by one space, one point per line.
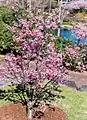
75 58
36 68
80 31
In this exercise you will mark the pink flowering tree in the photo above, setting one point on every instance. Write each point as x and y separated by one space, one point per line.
77 4
72 57
65 7
31 69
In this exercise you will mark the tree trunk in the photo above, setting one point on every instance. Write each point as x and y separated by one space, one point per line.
24 4
30 102
50 4
59 21
20 3
30 110
29 6
58 32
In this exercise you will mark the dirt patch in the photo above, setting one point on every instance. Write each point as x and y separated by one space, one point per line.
12 112
18 112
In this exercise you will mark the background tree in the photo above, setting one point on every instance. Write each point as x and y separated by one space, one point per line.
65 7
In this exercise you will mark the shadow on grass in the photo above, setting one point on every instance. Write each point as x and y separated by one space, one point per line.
13 94
18 93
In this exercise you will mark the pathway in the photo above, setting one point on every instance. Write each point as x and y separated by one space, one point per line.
79 78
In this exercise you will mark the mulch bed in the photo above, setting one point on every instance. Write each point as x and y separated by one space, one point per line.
18 112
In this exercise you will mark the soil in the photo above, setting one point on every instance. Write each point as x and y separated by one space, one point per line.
18 112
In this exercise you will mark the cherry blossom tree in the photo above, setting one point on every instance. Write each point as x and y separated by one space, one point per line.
62 8
77 4
31 67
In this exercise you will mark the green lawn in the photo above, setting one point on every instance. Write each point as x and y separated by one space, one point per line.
2 101
74 104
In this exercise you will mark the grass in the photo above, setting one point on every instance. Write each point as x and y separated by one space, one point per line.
3 101
74 104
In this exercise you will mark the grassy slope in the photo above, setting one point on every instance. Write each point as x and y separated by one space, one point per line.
74 103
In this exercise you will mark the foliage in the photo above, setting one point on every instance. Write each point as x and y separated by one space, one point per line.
20 13
67 22
81 14
74 55
60 44
6 15
6 19
75 58
17 93
6 42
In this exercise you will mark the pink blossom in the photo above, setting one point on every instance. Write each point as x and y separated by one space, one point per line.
80 30
13 29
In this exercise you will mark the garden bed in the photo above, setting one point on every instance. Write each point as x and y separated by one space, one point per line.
18 112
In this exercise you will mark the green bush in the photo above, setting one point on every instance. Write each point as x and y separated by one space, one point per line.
61 43
6 15
22 13
6 42
67 22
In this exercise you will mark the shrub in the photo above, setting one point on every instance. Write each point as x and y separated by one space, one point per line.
67 22
60 43
5 38
6 15
75 58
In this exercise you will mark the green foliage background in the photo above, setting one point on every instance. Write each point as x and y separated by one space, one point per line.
6 15
6 20
6 42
